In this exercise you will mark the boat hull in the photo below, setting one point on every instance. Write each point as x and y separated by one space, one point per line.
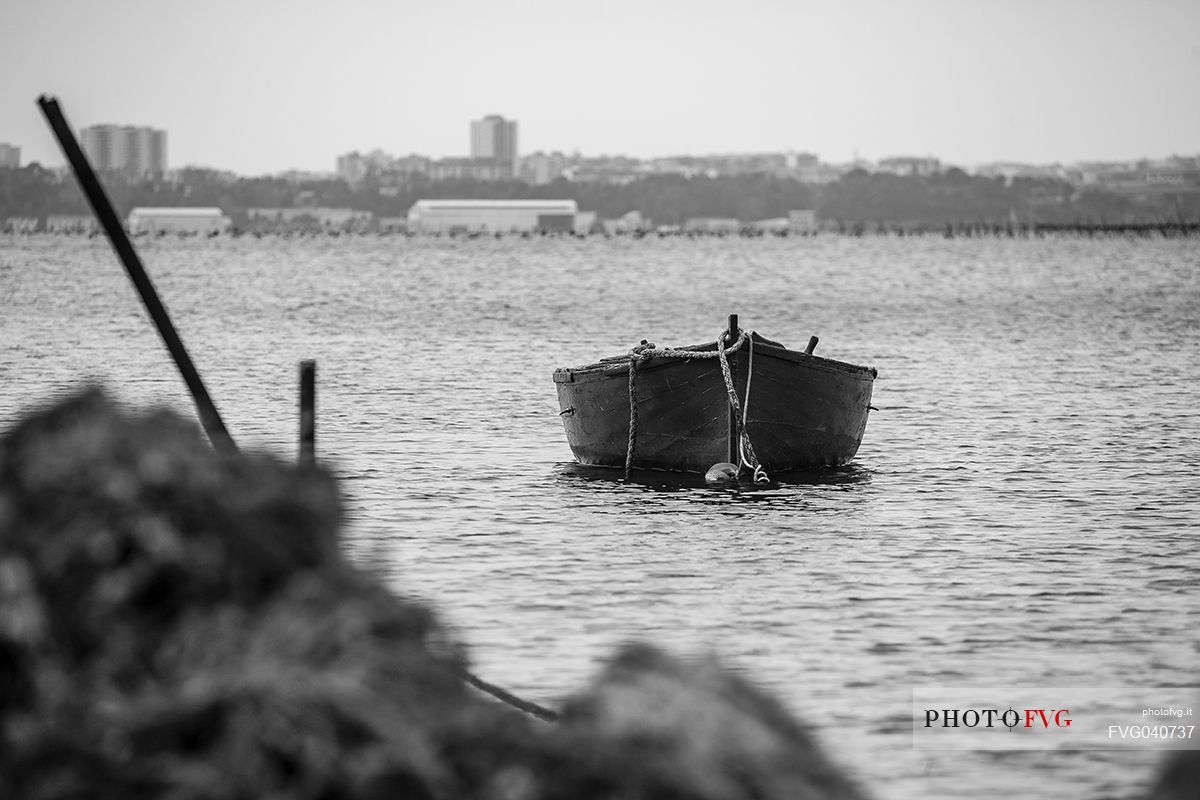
804 411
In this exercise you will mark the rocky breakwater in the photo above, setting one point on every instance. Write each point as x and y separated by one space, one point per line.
177 623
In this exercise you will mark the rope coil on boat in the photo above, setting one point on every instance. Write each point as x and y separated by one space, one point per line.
647 350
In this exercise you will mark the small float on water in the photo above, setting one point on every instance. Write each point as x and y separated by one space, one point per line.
742 399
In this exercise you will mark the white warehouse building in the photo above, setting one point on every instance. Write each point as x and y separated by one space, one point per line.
492 216
177 220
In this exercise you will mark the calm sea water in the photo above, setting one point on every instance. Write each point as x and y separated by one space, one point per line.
1023 510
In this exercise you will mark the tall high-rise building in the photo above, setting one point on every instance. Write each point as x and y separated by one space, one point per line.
10 155
135 151
494 139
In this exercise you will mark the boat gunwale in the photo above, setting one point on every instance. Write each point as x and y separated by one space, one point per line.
619 365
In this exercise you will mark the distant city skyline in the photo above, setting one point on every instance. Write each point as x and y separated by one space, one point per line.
354 164
294 84
136 151
140 151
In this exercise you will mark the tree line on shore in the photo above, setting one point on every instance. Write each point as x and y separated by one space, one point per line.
858 198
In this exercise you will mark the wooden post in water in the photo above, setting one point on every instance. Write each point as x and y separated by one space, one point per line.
308 413
733 420
210 418
812 345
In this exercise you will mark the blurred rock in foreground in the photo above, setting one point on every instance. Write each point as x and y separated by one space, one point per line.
1179 778
174 623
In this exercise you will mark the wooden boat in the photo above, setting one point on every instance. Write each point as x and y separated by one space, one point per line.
672 409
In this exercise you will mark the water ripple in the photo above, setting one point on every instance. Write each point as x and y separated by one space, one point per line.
1022 511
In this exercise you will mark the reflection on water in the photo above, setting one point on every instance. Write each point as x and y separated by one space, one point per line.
1022 510
781 484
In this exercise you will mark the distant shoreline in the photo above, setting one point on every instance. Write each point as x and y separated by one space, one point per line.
1162 230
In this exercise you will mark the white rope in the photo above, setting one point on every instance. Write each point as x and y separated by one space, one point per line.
760 474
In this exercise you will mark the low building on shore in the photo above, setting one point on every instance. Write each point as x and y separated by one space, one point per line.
802 221
178 220
630 222
492 216
586 222
777 225
20 225
714 225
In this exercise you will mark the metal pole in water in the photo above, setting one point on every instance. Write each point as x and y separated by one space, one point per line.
210 418
731 337
308 413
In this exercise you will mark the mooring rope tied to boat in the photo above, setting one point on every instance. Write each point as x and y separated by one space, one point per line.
647 350
760 474
744 445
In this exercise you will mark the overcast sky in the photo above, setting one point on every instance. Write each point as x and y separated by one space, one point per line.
261 86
